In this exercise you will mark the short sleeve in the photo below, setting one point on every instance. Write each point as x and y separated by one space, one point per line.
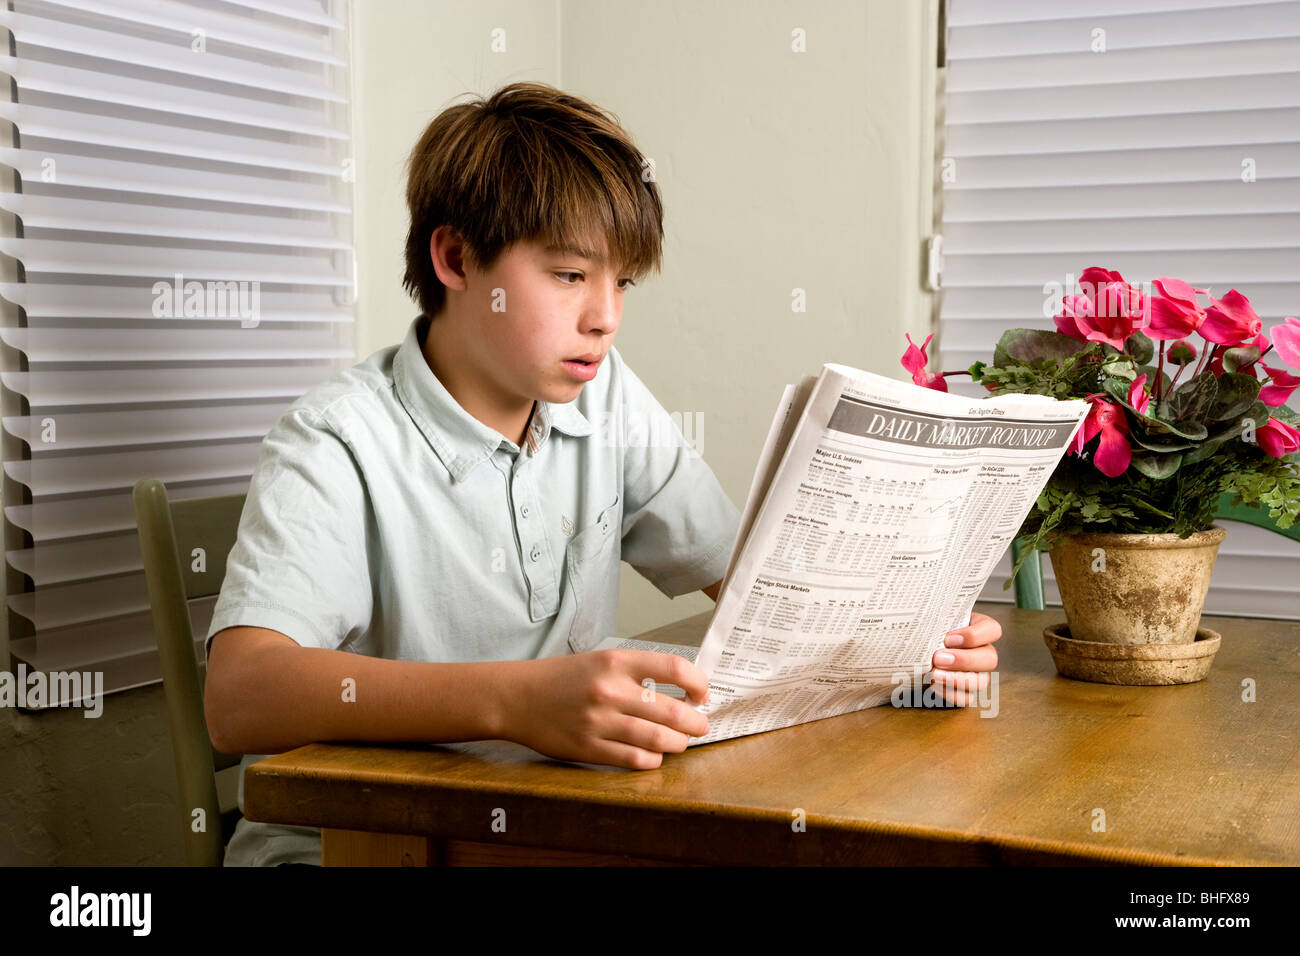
300 561
678 524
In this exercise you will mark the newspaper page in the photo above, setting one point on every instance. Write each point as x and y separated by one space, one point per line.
876 515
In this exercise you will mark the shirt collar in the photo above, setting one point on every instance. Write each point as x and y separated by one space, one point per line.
460 440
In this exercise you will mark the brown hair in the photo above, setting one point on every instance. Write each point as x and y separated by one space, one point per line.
529 162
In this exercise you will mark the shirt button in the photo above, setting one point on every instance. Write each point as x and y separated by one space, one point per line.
604 526
524 511
535 553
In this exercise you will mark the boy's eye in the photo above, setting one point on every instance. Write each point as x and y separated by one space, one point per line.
579 275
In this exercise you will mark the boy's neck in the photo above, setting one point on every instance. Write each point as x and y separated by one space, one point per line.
472 390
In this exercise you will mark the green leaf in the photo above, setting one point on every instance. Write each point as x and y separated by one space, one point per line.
1117 388
976 371
1122 369
1192 400
1234 359
1234 395
1282 413
1140 347
1211 444
1159 424
1158 442
1155 465
1026 346
1257 413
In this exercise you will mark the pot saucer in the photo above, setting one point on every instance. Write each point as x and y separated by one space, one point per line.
1131 664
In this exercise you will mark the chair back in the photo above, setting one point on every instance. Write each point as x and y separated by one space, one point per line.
185 544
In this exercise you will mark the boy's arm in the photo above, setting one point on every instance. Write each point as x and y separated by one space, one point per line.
265 693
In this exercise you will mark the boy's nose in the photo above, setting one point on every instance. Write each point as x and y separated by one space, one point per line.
604 309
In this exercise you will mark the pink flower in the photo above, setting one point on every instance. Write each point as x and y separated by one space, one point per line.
1286 340
1108 311
1230 320
1282 384
1174 313
1137 394
1094 277
1072 305
1113 451
1277 438
914 360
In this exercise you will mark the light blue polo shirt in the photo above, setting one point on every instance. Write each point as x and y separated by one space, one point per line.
384 519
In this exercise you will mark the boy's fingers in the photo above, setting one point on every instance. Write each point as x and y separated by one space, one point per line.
669 669
970 659
618 754
959 698
965 681
669 712
981 630
648 735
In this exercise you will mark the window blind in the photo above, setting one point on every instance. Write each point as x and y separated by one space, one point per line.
179 234
1156 137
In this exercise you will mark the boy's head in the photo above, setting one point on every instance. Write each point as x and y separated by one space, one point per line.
528 164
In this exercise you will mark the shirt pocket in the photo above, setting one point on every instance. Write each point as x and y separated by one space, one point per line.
591 574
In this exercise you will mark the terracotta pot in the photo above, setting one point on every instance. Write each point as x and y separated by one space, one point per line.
1135 588
1132 664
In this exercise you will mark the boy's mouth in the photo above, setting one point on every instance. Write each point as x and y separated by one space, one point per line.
583 368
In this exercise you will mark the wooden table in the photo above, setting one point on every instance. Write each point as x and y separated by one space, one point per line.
1066 772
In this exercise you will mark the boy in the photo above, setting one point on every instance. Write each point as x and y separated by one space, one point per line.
431 541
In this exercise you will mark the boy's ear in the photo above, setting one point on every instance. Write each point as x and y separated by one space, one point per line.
446 252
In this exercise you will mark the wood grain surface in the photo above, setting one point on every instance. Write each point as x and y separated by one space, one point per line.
1187 774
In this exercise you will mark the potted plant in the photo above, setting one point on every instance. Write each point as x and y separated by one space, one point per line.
1184 409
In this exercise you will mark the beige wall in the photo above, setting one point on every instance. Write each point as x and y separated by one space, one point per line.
410 60
779 170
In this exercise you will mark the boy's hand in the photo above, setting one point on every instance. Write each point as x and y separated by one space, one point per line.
970 656
593 707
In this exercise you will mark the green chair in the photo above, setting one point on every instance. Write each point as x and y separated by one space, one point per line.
1029 582
170 532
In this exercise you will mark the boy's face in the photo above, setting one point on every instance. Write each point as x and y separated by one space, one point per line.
535 312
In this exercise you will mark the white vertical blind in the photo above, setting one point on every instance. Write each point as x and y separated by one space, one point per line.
181 222
1156 137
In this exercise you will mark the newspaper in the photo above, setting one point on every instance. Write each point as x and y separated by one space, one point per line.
877 512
